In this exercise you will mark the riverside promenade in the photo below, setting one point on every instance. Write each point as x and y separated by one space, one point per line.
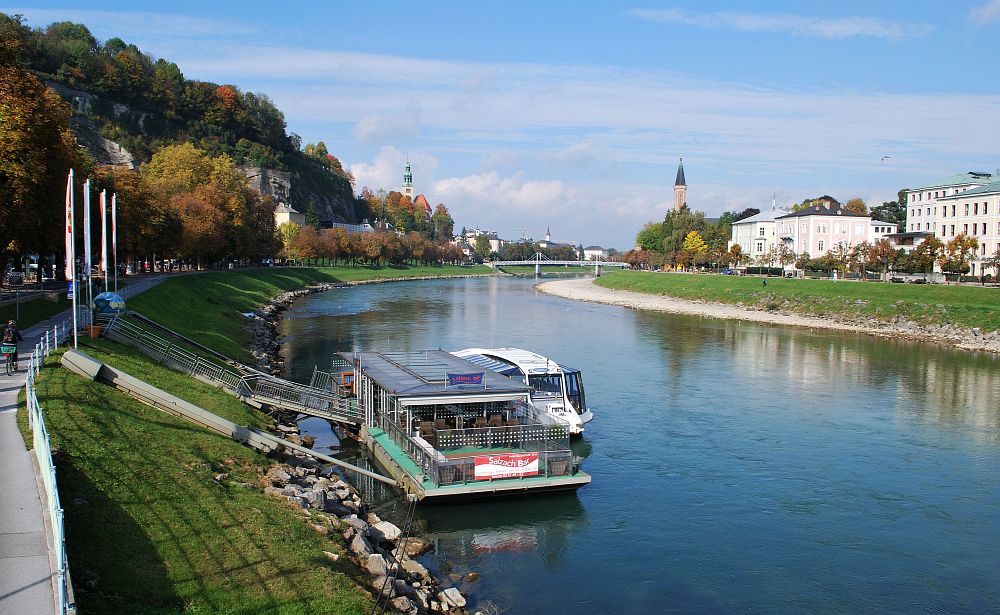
27 577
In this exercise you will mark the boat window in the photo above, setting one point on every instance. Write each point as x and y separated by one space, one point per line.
574 391
545 385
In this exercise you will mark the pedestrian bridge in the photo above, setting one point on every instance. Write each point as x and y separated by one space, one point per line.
539 260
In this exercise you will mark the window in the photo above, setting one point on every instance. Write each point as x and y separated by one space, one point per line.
928 211
761 233
983 251
927 226
820 228
953 210
965 229
935 210
975 209
984 228
760 246
952 229
944 212
985 209
935 194
944 229
967 209
821 244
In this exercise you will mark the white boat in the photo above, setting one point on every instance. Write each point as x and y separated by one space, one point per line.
556 390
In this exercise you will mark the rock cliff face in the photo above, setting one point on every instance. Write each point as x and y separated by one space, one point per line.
305 182
83 104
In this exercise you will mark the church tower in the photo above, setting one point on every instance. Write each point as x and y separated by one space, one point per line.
680 187
408 181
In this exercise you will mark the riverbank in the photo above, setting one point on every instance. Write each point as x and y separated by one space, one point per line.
962 337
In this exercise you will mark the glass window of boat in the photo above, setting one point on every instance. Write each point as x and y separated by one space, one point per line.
545 385
574 389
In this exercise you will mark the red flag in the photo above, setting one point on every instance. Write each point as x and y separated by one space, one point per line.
70 251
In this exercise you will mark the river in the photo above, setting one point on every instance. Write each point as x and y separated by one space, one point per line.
736 467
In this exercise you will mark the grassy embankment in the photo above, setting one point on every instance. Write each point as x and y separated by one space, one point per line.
966 306
146 522
33 311
149 526
208 307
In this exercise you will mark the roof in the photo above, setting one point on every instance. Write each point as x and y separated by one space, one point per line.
824 210
425 373
764 216
987 189
422 200
680 174
969 177
593 248
882 223
284 208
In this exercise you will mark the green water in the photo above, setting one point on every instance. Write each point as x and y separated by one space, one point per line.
736 468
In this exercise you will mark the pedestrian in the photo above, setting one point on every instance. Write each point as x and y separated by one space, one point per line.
763 282
12 336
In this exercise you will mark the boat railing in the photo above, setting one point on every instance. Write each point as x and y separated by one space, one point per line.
425 460
517 438
463 470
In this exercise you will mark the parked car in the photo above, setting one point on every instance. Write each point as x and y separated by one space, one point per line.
728 271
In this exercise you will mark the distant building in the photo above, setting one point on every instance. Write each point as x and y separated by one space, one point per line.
407 190
471 234
757 234
680 187
594 253
284 213
964 203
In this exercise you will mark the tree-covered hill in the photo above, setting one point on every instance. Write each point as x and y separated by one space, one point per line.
127 105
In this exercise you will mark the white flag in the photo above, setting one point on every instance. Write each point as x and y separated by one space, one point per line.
70 255
104 232
86 229
114 230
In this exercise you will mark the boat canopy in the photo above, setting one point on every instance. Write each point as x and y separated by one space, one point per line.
431 373
501 367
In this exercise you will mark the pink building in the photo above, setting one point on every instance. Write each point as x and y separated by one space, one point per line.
821 228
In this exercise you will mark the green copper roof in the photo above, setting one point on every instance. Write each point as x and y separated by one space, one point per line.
987 189
969 177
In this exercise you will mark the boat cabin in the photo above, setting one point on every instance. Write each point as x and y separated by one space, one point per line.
445 426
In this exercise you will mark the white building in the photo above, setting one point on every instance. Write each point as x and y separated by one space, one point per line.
815 231
964 203
594 253
756 235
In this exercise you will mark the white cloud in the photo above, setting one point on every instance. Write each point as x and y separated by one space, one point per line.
844 27
987 13
386 170
576 155
385 126
491 189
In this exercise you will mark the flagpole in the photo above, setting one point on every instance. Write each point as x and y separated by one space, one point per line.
104 237
86 241
71 249
114 235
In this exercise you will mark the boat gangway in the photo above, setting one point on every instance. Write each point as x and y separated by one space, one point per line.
539 260
248 384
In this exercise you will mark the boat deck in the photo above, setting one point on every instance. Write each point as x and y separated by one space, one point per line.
401 467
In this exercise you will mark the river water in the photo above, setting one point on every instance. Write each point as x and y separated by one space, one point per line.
736 468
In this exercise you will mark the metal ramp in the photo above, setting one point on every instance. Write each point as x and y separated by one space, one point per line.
254 387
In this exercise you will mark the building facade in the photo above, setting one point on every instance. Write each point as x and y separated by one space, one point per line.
963 203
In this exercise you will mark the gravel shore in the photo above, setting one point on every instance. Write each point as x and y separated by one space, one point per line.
583 289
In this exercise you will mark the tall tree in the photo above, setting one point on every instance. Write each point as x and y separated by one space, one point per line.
857 205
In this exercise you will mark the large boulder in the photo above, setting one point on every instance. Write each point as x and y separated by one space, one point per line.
384 531
376 565
452 597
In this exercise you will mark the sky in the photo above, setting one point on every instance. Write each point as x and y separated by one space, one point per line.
572 115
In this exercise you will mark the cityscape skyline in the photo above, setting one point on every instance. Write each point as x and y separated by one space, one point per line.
513 117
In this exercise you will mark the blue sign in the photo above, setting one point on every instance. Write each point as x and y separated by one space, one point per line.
460 379
70 287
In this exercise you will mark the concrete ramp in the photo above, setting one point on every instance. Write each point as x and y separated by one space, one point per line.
84 365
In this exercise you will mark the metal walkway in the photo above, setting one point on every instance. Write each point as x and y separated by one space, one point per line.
254 387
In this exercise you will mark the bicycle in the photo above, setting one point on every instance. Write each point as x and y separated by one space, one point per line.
9 352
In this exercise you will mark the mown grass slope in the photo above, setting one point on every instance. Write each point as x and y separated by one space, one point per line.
150 530
968 306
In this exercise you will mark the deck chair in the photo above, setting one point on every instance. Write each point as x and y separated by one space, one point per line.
426 429
440 424
480 421
495 421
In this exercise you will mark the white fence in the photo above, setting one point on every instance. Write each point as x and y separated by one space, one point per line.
43 453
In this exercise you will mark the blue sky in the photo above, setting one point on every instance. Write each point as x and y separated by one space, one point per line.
573 114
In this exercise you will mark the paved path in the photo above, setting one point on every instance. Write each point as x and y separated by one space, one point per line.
26 575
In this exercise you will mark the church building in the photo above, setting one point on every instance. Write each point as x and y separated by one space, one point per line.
420 200
680 187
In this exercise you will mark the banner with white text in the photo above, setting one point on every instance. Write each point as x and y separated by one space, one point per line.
514 465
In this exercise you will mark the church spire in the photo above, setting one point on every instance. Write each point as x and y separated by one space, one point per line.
680 187
408 180
680 173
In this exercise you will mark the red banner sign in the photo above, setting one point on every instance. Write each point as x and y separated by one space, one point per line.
515 465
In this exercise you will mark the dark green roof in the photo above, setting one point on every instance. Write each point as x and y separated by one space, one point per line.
680 174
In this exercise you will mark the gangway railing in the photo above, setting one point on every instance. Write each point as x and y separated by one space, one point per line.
255 386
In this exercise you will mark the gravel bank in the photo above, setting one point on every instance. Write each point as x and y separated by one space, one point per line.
585 290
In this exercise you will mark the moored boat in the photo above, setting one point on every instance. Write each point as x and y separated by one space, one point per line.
556 390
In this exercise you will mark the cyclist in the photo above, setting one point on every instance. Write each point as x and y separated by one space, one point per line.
12 336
